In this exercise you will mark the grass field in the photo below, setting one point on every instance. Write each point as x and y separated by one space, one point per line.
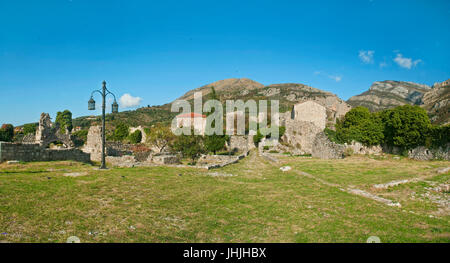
259 203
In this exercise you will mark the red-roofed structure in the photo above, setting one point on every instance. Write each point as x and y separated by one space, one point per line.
192 119
191 115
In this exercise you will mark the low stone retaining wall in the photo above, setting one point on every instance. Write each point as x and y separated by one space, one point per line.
228 162
36 153
425 154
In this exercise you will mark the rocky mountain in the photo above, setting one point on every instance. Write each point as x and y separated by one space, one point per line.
382 95
436 102
288 94
389 94
226 86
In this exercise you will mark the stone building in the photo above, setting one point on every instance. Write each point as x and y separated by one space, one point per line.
310 111
303 124
195 120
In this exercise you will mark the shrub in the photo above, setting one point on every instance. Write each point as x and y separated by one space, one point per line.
121 132
160 136
189 145
359 125
348 152
406 126
79 137
257 138
64 119
135 137
214 143
438 136
332 135
7 133
29 128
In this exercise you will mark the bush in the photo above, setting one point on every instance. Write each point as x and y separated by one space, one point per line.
214 143
189 145
64 119
135 137
29 128
79 137
438 136
359 124
332 135
257 138
6 133
160 136
348 152
406 126
121 132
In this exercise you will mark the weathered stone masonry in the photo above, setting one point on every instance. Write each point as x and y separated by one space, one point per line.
37 153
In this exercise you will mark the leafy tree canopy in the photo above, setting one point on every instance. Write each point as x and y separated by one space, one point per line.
64 119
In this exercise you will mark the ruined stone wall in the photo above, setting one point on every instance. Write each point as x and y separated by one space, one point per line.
94 143
326 149
241 143
301 135
140 128
359 148
37 153
424 154
47 132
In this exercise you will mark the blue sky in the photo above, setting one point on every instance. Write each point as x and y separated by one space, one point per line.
54 53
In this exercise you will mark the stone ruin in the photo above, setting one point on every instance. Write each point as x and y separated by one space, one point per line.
35 147
49 132
121 154
139 128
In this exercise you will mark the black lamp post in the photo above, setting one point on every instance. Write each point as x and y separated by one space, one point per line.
115 109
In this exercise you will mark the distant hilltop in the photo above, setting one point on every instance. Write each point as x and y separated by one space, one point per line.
381 95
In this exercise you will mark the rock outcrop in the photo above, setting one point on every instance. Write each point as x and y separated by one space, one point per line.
225 86
388 94
437 102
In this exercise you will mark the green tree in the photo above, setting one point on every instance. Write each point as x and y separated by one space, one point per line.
121 132
359 124
29 128
64 119
7 133
213 95
257 137
406 126
135 137
190 146
214 143
80 137
438 136
160 136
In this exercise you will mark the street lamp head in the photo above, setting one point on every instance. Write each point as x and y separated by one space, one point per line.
104 83
91 104
115 107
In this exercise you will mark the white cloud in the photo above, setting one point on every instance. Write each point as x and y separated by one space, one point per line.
335 78
383 64
128 101
366 56
407 63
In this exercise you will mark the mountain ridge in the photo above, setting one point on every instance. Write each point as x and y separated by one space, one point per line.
381 95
